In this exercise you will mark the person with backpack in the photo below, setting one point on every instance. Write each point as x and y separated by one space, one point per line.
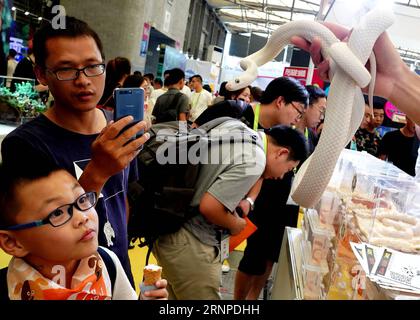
172 105
191 256
49 225
284 101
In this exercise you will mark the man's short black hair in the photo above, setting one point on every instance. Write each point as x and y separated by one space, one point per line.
288 88
12 53
74 28
198 77
149 76
378 102
158 81
222 90
133 81
207 88
315 93
292 139
256 93
175 75
11 178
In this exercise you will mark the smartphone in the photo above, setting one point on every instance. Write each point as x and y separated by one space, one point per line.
129 101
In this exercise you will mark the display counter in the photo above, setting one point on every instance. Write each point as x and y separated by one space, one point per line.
360 242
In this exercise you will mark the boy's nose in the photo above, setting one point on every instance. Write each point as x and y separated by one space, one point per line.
80 217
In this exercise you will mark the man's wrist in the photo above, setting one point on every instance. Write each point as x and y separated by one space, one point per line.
251 202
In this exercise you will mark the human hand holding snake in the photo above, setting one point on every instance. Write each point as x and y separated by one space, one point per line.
345 101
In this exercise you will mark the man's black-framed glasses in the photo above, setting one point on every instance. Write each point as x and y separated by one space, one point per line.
62 214
300 115
321 113
67 74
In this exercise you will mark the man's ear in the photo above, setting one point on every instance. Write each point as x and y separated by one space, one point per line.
279 102
282 152
11 245
40 75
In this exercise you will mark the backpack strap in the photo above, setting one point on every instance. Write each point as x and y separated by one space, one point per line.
110 266
213 124
4 290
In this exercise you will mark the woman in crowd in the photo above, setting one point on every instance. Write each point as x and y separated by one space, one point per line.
117 70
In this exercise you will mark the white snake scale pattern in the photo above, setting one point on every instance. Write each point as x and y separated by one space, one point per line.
345 104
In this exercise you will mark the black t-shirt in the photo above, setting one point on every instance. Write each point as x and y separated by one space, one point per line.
169 105
311 141
400 150
42 142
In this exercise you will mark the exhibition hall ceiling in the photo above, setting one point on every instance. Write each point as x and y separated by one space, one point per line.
264 16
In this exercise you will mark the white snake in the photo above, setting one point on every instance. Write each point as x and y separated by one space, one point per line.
345 99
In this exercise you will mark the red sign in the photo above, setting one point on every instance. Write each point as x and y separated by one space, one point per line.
296 72
301 73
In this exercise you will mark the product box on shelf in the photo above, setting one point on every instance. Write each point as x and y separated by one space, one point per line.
315 275
378 211
328 209
320 237
368 200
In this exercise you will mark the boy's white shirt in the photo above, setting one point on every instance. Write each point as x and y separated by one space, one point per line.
122 289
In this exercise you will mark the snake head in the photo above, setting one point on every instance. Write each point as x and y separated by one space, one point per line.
246 78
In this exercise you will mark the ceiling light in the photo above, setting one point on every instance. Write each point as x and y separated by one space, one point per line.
39 18
26 13
13 8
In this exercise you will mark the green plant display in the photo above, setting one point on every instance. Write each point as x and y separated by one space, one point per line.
25 99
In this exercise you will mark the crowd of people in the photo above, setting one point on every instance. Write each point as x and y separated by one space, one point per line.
65 175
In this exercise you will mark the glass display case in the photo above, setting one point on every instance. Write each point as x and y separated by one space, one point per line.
368 202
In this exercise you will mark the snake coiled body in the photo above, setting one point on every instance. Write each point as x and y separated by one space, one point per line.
345 104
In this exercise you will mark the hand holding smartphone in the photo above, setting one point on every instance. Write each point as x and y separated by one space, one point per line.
129 102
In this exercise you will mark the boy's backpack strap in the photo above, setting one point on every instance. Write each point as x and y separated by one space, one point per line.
110 266
4 290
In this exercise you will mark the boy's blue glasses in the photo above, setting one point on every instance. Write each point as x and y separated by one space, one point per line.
62 214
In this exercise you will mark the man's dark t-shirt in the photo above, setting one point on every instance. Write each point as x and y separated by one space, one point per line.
42 142
400 150
169 105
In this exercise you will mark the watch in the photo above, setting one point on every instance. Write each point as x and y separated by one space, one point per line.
251 202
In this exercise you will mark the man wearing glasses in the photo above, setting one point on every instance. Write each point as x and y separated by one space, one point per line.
313 115
76 135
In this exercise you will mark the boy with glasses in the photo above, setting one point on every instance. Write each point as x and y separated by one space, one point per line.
49 225
77 136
